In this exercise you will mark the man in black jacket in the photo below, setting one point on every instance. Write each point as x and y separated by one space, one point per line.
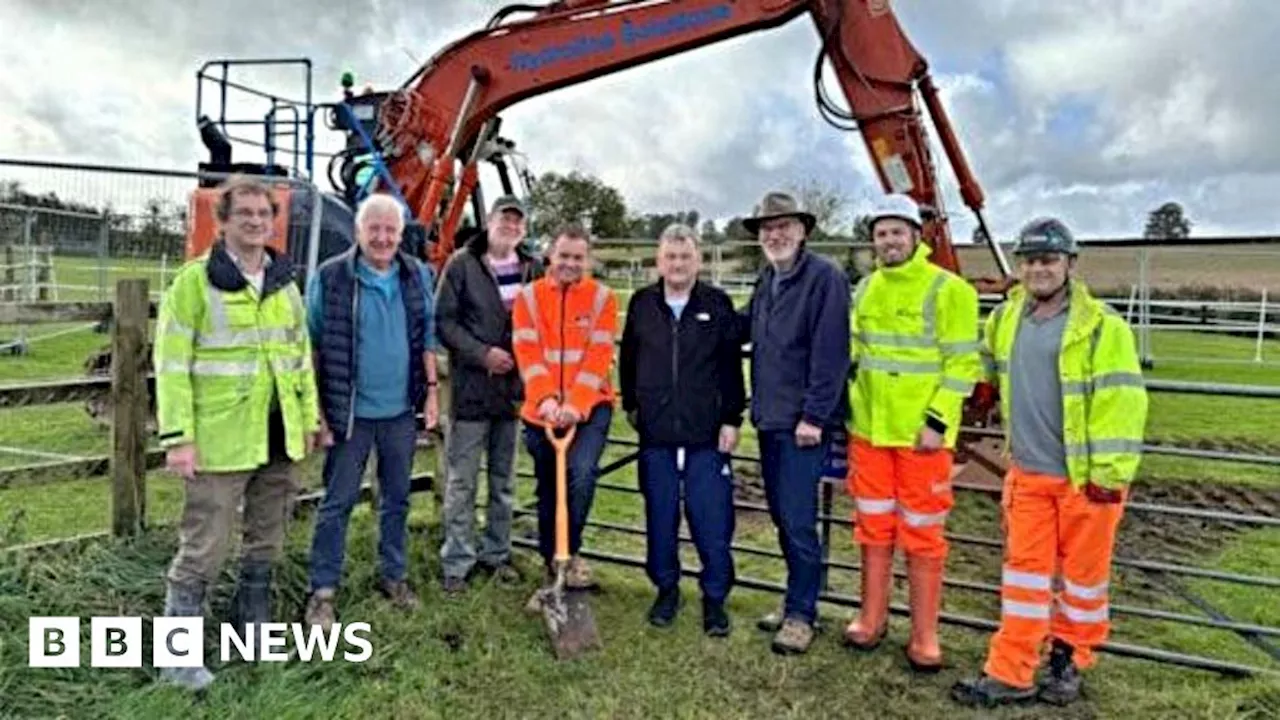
682 389
473 319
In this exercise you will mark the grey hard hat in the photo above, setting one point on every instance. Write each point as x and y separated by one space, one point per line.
1045 235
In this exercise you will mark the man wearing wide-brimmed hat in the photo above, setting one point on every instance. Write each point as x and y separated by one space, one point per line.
799 332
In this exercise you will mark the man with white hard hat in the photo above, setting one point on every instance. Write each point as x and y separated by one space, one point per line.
916 355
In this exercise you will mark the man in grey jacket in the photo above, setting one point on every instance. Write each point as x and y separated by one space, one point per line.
473 320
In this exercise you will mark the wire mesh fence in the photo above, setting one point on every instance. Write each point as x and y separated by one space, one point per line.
69 234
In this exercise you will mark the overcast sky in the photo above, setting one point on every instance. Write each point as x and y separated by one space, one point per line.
1098 110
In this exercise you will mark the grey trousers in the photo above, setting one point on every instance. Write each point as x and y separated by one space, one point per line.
468 440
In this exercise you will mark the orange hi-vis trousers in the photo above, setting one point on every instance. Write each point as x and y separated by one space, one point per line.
1051 529
902 497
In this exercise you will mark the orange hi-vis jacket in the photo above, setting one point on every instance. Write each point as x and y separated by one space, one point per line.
563 338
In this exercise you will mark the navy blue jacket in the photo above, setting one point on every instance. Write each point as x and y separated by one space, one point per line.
799 346
682 377
336 368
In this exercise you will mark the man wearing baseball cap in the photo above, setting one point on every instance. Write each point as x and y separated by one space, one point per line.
477 288
916 353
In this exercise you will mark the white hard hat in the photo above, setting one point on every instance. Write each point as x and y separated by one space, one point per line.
897 206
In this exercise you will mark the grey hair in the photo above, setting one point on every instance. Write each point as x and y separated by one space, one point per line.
380 202
679 232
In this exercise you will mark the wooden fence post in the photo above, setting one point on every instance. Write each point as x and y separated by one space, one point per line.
129 404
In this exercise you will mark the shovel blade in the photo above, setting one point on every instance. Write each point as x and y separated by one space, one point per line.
570 624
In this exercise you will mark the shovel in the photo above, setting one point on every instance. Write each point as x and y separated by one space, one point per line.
568 618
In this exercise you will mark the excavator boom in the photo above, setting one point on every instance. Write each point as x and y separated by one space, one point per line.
440 115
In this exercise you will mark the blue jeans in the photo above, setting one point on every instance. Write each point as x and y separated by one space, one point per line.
708 506
344 464
583 467
791 477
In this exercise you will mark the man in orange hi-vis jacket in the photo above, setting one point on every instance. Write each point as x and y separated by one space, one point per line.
563 329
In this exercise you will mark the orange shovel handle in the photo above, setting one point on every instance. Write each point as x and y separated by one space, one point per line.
561 444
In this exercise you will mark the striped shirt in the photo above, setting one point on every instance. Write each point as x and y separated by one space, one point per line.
508 274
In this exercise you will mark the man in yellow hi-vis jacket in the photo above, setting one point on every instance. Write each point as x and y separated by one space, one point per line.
915 347
1074 404
237 407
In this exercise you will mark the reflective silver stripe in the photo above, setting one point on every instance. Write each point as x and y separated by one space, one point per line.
875 507
1104 446
1087 592
591 380
990 365
559 356
1080 615
525 335
534 371
1115 379
930 306
531 302
173 327
603 337
960 386
218 323
597 306
900 366
917 520
241 338
1029 581
293 364
174 366
961 346
894 340
1035 611
224 367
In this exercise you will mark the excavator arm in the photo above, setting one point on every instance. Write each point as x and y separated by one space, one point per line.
443 113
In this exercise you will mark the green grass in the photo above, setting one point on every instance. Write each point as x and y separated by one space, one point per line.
480 656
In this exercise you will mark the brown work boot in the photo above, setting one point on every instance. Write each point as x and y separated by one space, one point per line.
868 630
793 638
534 604
578 575
320 610
400 594
925 575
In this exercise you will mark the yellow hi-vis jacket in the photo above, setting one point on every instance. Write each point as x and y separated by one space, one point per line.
916 352
225 355
1104 397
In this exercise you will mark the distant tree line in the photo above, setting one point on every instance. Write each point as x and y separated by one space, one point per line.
157 231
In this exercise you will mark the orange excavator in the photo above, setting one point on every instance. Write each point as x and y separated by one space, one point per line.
424 141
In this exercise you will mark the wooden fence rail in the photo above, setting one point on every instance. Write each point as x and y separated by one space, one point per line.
129 388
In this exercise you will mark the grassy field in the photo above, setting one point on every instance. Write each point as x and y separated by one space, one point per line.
478 655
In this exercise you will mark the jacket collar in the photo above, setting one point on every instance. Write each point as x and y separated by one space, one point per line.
225 274
1084 312
918 261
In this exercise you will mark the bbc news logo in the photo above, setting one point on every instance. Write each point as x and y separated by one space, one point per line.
117 642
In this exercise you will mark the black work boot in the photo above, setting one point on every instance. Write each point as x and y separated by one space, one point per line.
715 622
185 600
1061 685
986 691
663 610
251 604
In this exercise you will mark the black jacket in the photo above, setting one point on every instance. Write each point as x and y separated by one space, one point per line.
470 319
683 378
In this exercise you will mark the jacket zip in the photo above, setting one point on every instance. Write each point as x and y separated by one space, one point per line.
675 358
564 294
355 320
